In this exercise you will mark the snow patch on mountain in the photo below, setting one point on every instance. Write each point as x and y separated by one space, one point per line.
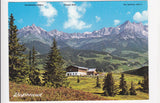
126 30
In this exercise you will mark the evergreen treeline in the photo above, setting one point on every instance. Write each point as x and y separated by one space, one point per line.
21 71
111 90
18 70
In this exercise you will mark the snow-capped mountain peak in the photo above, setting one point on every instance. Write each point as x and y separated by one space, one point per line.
31 33
126 30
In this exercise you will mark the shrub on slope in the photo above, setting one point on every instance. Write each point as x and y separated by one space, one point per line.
48 93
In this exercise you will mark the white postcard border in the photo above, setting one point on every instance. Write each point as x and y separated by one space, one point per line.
154 54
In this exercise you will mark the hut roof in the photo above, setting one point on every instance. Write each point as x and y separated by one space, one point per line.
91 69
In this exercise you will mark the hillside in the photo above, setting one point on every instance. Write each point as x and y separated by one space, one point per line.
48 93
103 61
141 71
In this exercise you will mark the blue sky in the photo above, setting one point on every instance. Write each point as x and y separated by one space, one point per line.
78 16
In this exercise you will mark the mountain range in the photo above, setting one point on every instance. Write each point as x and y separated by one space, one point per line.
132 29
127 36
126 46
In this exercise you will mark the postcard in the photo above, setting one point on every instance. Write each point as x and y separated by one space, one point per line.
78 51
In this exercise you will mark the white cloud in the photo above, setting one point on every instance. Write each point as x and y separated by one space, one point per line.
48 11
97 18
128 12
20 21
75 13
116 22
139 17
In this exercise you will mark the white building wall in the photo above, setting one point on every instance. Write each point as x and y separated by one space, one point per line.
75 73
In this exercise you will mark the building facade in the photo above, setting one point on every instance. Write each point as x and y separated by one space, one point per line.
92 71
77 70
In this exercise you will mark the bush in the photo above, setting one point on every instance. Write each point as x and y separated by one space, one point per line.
132 90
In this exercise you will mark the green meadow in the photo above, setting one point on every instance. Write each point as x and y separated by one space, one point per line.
84 90
87 84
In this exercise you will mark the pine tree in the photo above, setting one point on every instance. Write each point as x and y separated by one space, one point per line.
139 82
54 75
78 80
34 74
30 58
109 87
97 83
123 86
145 84
33 57
132 90
17 60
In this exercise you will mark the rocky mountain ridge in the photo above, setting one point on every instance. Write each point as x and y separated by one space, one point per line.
128 29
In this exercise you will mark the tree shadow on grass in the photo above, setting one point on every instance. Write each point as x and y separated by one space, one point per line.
102 94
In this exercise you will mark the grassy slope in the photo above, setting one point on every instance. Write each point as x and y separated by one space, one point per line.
88 84
85 90
49 93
